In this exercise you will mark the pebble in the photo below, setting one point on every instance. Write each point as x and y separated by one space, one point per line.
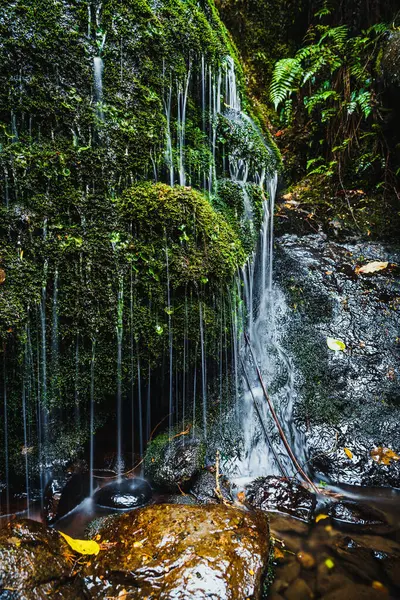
306 560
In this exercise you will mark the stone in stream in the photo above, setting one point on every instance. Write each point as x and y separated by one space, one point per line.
348 514
278 494
203 489
174 551
172 464
124 495
33 564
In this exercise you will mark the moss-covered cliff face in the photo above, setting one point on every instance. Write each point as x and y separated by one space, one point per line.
99 104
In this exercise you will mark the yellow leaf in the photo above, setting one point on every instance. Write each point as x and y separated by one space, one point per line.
329 563
251 572
384 456
377 585
321 517
372 267
348 452
82 546
336 345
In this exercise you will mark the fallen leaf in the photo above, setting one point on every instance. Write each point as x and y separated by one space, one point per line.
321 517
14 540
251 572
328 272
377 585
2 276
336 345
86 547
329 563
348 452
241 496
384 456
372 267
278 553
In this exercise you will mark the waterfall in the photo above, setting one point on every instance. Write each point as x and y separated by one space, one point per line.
98 68
120 331
91 459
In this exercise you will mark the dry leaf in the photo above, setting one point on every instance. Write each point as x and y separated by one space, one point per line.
241 496
278 554
2 275
372 267
82 546
348 452
384 456
321 517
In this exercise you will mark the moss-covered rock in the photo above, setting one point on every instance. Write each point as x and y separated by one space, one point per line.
172 463
34 565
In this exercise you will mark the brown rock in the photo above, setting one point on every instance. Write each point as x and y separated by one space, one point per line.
33 563
356 592
166 551
306 560
299 590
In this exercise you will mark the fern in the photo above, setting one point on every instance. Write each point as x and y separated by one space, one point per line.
285 78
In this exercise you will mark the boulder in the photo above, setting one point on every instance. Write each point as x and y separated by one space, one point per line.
281 495
33 564
172 464
174 551
124 495
342 399
203 489
352 515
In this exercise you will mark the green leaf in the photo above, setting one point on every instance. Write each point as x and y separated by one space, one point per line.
336 345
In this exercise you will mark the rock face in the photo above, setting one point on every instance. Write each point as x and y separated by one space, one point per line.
276 494
350 514
348 399
167 551
33 564
124 495
203 489
169 464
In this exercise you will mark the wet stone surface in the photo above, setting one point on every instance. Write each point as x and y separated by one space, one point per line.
319 561
124 495
176 551
33 564
204 487
277 494
347 399
173 464
351 515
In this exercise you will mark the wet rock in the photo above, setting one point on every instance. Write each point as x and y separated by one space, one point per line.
58 479
306 560
204 486
173 464
124 495
277 494
74 492
348 515
167 551
344 399
355 591
299 590
288 572
33 564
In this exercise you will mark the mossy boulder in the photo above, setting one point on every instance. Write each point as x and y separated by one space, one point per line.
172 463
33 564
176 551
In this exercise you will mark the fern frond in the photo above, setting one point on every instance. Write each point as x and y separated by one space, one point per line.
337 34
285 78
